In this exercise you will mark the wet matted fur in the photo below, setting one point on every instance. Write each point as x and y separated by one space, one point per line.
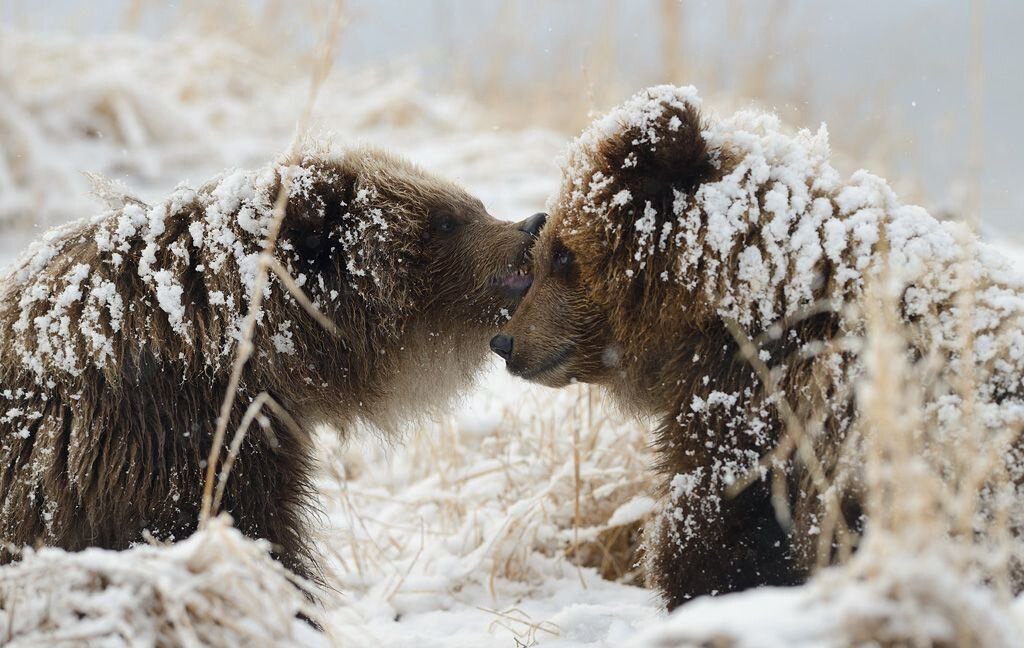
118 334
669 229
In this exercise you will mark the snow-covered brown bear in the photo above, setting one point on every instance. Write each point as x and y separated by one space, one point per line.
118 335
668 233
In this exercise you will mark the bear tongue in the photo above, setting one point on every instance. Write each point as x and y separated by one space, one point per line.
517 283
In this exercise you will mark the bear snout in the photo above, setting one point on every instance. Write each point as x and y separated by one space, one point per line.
534 224
502 345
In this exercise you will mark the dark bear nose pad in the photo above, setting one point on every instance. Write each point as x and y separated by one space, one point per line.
534 224
502 345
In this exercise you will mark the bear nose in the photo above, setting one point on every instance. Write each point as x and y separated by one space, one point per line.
502 345
534 224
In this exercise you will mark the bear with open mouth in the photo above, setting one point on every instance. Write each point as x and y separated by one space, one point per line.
671 232
118 336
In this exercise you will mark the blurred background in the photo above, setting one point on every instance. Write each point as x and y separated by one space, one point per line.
485 524
926 93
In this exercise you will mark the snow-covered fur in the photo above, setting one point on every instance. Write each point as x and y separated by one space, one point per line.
118 334
671 232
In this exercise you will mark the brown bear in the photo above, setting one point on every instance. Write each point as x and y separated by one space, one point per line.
672 232
118 335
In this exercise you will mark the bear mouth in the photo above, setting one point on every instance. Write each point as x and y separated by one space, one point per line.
514 284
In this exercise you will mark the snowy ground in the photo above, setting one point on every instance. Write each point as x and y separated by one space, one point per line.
461 533
459 536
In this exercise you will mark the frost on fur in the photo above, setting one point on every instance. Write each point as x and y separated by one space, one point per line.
195 259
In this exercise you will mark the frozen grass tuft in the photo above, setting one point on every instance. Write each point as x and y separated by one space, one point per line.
907 600
217 588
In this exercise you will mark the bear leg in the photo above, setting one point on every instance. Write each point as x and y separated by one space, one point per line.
693 552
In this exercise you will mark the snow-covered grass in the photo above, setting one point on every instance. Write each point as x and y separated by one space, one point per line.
512 522
483 516
217 588
156 113
905 601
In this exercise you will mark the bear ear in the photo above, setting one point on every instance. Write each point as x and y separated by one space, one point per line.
313 211
659 150
304 223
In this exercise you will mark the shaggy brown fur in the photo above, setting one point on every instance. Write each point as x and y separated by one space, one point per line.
117 337
668 227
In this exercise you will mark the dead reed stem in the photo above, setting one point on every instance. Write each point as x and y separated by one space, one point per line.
255 408
672 12
976 98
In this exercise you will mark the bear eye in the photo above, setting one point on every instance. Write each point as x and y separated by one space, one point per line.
562 260
447 224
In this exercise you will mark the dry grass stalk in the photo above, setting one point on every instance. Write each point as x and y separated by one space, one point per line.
513 618
263 399
245 346
576 518
924 492
671 19
504 505
796 441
